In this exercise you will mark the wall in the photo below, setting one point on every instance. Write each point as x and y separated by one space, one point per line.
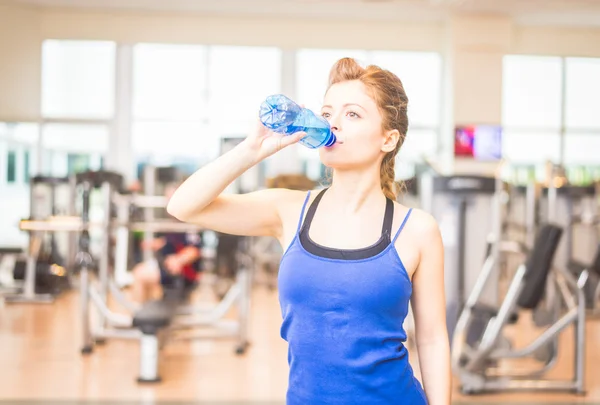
20 61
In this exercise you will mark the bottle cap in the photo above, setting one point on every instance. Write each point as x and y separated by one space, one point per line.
331 140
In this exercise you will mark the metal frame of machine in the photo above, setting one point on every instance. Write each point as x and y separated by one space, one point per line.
476 362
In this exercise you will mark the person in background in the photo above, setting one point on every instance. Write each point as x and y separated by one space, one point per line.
176 262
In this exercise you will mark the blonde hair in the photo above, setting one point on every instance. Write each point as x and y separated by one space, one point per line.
388 92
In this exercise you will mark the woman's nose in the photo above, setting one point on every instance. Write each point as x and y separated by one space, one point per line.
334 123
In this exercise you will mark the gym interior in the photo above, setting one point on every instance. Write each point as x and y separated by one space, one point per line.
106 105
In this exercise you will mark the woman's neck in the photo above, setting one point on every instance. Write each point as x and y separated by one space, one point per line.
354 191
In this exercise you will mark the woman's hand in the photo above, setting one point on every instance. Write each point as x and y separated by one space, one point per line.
263 142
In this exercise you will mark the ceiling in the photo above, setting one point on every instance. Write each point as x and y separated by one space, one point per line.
562 12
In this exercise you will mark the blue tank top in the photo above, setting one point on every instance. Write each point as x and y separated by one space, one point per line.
343 312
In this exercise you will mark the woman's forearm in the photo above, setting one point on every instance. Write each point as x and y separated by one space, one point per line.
206 184
434 361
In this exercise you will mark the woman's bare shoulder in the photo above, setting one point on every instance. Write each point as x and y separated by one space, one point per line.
420 224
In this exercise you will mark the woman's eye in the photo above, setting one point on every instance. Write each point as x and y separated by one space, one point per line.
352 114
325 115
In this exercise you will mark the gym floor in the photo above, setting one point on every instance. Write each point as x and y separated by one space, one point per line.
39 348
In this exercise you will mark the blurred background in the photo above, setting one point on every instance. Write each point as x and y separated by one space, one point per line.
152 90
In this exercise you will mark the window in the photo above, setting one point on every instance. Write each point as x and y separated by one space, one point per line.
164 143
582 121
539 109
532 92
11 167
65 145
583 94
78 162
421 76
170 107
22 139
186 98
582 148
78 79
169 82
531 146
419 143
78 84
26 133
26 166
237 88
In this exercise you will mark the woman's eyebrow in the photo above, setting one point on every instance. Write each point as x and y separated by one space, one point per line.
345 105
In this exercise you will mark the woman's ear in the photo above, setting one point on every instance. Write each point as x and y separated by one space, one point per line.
391 139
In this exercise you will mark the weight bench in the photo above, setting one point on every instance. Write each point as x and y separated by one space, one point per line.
478 343
153 318
592 287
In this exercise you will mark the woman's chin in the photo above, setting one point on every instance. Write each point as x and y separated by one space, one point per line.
335 164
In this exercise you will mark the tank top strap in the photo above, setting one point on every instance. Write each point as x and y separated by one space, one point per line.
311 211
302 212
388 219
402 226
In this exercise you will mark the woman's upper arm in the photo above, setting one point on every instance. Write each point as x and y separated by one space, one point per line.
252 214
428 300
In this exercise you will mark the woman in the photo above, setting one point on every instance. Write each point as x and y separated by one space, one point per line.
345 279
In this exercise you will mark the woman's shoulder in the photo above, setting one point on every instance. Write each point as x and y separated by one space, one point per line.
420 224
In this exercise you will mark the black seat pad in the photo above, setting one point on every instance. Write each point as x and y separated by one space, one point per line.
153 316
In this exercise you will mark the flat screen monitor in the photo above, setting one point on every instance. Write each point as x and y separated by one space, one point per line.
480 142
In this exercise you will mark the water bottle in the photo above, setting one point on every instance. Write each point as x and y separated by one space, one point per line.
282 115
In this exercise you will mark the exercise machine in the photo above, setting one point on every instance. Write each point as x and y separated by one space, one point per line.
157 322
480 344
592 287
467 209
44 266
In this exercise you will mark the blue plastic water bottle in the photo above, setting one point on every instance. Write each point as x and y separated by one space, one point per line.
282 115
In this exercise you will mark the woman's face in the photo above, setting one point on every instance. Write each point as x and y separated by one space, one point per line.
357 124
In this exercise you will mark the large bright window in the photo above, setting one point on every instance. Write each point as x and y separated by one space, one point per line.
419 144
549 102
582 112
582 148
19 153
188 97
170 82
532 92
72 148
583 93
421 76
535 147
78 105
18 162
160 142
240 78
